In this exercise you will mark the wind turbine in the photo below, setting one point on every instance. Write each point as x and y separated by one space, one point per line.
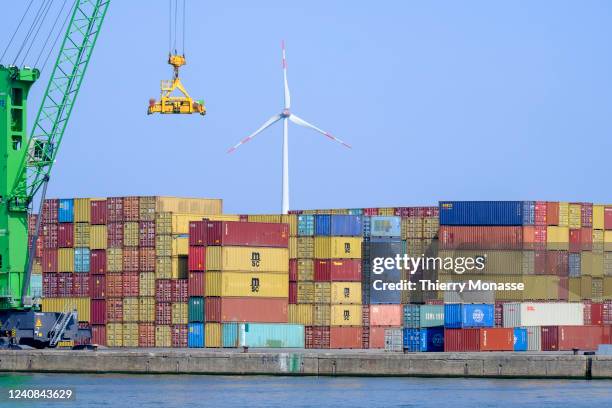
286 115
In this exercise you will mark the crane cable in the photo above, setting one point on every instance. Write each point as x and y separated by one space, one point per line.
30 30
49 36
40 24
16 30
174 21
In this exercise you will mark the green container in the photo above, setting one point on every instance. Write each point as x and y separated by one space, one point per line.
196 309
432 315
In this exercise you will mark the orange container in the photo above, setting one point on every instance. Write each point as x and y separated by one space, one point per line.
345 337
497 339
385 315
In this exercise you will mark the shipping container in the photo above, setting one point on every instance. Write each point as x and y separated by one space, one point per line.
82 210
305 225
98 311
497 339
98 237
65 235
384 226
179 313
98 334
461 340
249 309
300 314
580 337
337 270
163 313
49 260
163 337
114 335
212 335
305 247
469 315
344 292
338 225
337 247
146 309
114 310
247 259
146 259
179 334
274 335
97 212
66 304
114 234
481 237
50 210
196 309
345 315
520 339
81 260
97 261
65 260
394 340
550 338
197 258
305 269
386 315
65 211
195 338
542 314
430 339
196 284
130 309
146 335
241 284
251 234
50 236
305 292
481 213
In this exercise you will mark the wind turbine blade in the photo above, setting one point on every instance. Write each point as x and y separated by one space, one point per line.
287 95
299 121
267 124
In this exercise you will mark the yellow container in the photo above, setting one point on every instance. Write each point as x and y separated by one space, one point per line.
597 289
188 205
114 260
98 235
36 267
130 309
322 292
557 238
82 210
608 240
598 240
575 216
130 334
179 313
607 288
573 292
212 335
415 247
598 217
146 208
528 266
386 211
171 245
300 314
541 287
114 334
496 262
130 234
81 234
597 264
173 223
430 227
346 293
305 292
146 284
290 219
163 336
292 247
608 263
338 247
275 218
321 315
65 260
253 284
345 315
174 267
586 287
586 263
412 228
146 308
305 270
260 259
81 304
305 247
563 214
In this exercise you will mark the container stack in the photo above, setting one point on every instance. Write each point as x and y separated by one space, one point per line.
423 329
36 280
246 280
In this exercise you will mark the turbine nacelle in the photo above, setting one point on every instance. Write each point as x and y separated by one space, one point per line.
285 113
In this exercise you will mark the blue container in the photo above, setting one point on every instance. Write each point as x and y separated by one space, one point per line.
229 335
384 226
305 225
575 269
429 339
366 224
412 316
65 212
457 315
528 212
481 212
383 248
520 339
274 335
338 225
81 260
36 285
195 335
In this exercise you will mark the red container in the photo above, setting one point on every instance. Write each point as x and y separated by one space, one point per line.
146 259
179 290
163 313
345 337
114 209
586 239
49 236
293 273
557 263
550 338
97 261
586 214
608 218
539 264
257 234
97 286
98 311
377 336
196 284
540 213
163 290
131 284
552 213
563 289
114 310
49 211
593 313
197 233
292 293
115 234
539 237
370 211
580 337
497 339
317 337
130 259
50 285
197 258
80 285
64 284
146 335
461 339
386 315
575 240
261 310
607 312
147 234
98 334
499 313
326 270
179 335
477 237
131 208
114 284
65 235
97 212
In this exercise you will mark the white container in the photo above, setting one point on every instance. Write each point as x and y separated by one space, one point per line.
534 338
543 314
394 340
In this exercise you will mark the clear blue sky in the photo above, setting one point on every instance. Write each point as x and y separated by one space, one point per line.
440 100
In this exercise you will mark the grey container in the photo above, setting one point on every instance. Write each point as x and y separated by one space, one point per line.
394 340
534 338
512 314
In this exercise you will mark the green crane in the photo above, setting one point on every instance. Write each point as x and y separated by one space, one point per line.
27 164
